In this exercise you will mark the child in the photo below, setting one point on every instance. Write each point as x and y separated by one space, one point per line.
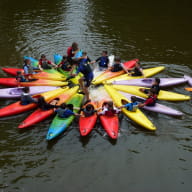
108 109
43 105
117 66
136 71
130 106
44 63
83 66
28 69
65 65
88 110
151 100
65 111
103 61
155 85
26 97
20 77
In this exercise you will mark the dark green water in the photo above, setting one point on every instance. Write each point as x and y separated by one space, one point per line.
158 33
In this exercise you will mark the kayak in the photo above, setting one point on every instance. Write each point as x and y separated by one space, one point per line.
16 92
86 124
57 59
188 88
147 73
39 114
50 76
163 95
147 82
108 74
137 116
16 108
158 108
13 71
109 123
189 79
40 82
58 124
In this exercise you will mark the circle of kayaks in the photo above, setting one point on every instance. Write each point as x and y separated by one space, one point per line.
118 85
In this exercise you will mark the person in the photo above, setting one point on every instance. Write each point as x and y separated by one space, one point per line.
26 97
151 100
108 109
43 105
103 61
130 106
72 52
27 67
117 66
155 85
65 64
83 66
136 71
44 63
65 110
19 77
88 110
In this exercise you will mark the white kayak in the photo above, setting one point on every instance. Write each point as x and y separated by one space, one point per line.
16 91
147 82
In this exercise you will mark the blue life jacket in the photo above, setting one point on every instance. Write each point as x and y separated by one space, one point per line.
103 61
84 67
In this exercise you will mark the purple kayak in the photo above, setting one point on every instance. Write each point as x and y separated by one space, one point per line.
189 79
16 91
159 108
165 82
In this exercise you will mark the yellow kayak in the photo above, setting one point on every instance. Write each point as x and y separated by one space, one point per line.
147 73
163 95
136 116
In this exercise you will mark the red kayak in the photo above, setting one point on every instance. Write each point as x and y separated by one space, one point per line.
17 108
39 115
11 82
108 74
86 124
109 123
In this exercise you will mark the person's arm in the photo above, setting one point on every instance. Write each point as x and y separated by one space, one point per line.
51 63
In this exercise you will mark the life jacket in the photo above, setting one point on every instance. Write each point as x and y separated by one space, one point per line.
132 106
136 72
84 67
157 88
153 99
29 68
21 78
110 113
88 113
103 61
117 67
66 66
44 64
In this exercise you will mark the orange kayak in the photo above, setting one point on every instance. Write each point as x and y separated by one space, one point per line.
188 88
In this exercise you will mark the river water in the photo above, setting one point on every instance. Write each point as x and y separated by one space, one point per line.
159 34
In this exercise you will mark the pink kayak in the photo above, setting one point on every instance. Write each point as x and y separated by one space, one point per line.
159 108
16 92
147 82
